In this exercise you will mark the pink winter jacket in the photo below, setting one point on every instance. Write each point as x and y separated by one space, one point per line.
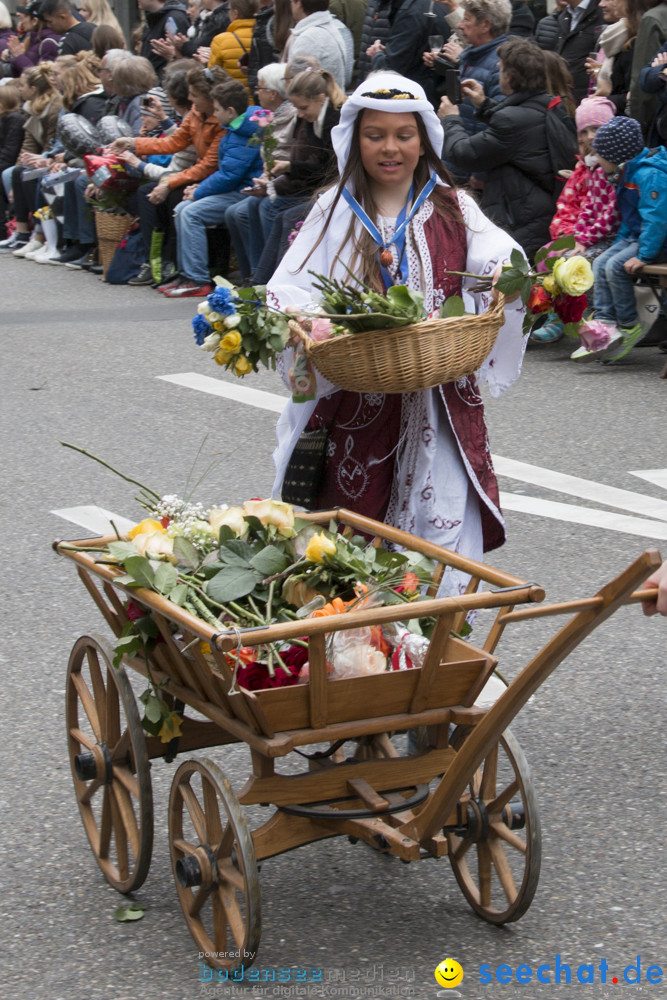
587 207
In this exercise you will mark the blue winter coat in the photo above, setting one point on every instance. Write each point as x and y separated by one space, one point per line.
480 63
641 197
238 162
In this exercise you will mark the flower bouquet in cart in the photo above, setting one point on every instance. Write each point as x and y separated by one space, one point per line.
253 566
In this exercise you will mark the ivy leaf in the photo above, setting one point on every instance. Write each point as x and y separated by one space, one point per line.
232 583
269 561
166 578
133 911
453 306
186 553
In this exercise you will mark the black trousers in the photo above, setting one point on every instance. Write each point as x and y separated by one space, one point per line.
160 217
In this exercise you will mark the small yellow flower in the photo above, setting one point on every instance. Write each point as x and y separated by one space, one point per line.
219 327
222 357
549 285
171 727
318 547
241 365
231 341
146 527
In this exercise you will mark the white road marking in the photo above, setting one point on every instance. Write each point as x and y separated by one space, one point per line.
637 503
229 390
583 515
656 476
95 519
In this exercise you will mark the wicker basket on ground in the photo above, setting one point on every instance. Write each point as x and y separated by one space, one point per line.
407 358
111 227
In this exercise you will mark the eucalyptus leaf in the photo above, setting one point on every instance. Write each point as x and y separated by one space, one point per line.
140 570
232 583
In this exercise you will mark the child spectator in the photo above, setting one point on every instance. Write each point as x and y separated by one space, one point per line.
586 208
11 138
641 193
205 204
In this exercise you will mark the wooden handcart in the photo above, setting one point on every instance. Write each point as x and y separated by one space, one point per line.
466 794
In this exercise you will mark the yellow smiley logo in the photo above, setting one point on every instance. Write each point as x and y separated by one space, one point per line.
449 973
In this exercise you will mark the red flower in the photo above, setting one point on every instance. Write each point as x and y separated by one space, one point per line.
539 301
135 611
570 308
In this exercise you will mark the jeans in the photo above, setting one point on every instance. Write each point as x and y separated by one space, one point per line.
614 288
191 219
79 218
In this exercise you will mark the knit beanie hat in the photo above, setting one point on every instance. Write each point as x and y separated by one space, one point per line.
620 140
594 111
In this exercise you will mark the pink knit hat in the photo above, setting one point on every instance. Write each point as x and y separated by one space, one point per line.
594 111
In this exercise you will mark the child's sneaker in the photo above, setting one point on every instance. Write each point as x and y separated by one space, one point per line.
631 335
549 332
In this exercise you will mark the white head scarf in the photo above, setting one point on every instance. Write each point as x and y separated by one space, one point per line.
402 95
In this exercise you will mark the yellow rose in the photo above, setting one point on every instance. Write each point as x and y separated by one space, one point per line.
241 365
233 517
219 327
550 285
155 545
573 275
274 512
318 547
146 527
231 341
222 357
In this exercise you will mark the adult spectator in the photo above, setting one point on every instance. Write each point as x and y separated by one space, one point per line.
77 34
6 26
229 48
319 34
652 34
547 30
484 27
105 38
163 19
11 139
196 46
408 40
377 24
522 24
579 27
99 12
351 14
612 70
272 29
520 188
37 44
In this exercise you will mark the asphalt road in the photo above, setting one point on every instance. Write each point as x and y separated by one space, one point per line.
83 363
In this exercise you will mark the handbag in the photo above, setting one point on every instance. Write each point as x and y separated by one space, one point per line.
305 468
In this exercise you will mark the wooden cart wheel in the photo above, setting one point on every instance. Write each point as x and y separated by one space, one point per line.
110 768
496 850
213 858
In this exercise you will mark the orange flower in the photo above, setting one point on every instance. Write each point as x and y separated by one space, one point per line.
410 583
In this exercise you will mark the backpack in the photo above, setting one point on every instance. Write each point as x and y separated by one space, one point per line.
128 259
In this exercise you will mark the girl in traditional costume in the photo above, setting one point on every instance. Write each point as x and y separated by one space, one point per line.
419 461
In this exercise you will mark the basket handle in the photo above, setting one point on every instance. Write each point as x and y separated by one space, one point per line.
298 331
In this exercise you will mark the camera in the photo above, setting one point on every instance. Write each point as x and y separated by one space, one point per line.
452 79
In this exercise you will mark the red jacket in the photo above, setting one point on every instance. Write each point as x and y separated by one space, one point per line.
586 208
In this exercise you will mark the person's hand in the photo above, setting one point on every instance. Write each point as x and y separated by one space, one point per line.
148 123
159 193
131 159
153 108
452 50
189 191
93 192
446 108
178 41
632 265
511 297
15 46
428 58
203 54
474 91
659 580
593 67
280 167
660 59
164 47
373 49
576 249
118 145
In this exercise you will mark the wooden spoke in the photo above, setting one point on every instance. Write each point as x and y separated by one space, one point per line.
118 822
499 878
222 904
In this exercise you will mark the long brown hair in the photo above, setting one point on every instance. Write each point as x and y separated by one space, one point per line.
364 260
39 77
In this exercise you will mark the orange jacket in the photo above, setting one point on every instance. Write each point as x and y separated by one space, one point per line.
228 47
202 133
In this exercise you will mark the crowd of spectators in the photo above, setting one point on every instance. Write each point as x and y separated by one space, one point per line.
179 110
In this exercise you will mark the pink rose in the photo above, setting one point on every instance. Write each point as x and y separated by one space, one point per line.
595 335
321 329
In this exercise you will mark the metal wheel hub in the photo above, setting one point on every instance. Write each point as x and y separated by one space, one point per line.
199 868
95 764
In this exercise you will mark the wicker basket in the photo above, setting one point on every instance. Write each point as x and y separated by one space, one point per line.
110 228
407 358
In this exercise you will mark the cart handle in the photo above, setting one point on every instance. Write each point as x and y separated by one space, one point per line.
546 610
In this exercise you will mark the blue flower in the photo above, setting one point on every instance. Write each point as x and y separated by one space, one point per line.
221 300
201 328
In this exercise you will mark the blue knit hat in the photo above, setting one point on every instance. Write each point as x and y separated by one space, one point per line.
620 140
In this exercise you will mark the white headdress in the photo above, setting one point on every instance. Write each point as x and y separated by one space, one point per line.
385 92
